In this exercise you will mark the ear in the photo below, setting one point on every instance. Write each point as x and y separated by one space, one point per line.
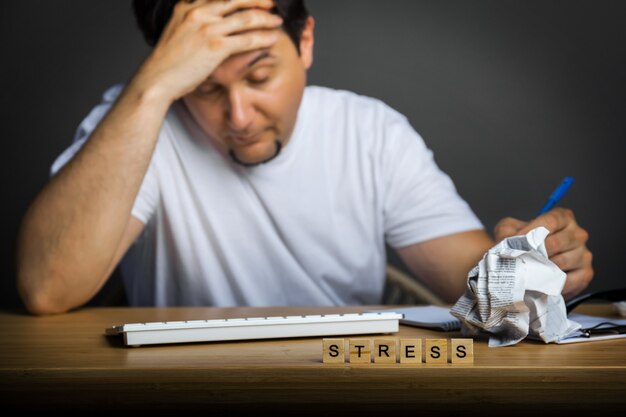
307 41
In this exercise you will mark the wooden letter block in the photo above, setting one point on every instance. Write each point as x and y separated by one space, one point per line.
462 351
436 351
385 350
360 350
410 350
333 351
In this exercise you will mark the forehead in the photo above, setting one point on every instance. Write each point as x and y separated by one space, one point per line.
237 65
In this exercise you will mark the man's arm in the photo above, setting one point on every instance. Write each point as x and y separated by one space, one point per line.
444 262
79 226
74 229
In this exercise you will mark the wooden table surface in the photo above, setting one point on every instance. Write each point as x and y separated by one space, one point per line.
65 362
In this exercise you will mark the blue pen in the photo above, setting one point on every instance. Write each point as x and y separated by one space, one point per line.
557 194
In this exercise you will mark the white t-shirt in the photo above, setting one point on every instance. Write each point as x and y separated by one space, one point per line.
308 228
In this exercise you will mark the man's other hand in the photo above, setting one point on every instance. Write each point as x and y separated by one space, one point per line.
566 245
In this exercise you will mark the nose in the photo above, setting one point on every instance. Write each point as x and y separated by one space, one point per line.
240 111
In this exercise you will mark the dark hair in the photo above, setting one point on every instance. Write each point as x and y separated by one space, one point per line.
152 17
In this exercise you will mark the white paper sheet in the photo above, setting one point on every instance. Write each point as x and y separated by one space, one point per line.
587 321
515 292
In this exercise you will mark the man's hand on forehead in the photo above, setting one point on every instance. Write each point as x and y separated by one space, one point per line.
204 33
237 17
225 8
241 8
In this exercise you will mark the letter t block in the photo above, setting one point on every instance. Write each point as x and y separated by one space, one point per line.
360 350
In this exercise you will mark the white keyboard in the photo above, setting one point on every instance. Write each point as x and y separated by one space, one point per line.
137 334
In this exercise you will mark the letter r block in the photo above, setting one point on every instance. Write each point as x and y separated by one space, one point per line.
385 350
360 350
333 351
462 351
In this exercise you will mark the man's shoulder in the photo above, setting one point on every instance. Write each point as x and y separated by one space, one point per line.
338 101
112 93
337 94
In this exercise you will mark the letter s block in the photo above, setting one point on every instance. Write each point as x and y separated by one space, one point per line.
462 351
436 351
333 351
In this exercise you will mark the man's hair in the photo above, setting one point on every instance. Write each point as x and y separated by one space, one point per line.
152 17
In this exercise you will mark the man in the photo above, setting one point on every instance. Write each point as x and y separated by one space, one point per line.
217 177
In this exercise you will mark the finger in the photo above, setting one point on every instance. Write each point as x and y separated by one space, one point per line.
198 12
216 13
205 11
250 41
573 259
252 19
576 282
220 4
225 8
192 12
508 227
183 7
569 238
554 220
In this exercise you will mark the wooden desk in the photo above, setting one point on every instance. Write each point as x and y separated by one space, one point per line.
65 363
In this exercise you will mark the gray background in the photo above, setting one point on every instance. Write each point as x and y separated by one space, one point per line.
511 96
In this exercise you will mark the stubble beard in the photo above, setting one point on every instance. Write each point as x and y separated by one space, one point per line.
233 156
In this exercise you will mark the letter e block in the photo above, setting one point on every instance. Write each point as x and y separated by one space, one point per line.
333 351
360 350
410 350
462 351
436 351
385 350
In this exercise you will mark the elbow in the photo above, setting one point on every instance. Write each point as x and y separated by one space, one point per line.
37 283
36 299
40 306
38 303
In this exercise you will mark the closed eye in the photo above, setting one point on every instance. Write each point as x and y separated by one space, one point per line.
260 75
258 81
209 90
